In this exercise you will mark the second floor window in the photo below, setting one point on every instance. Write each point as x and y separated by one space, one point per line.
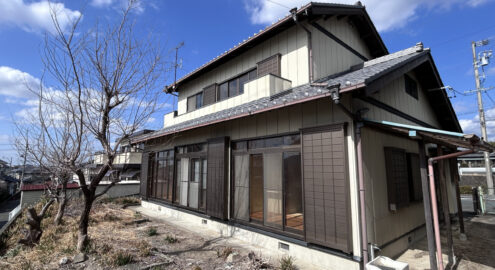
194 102
235 86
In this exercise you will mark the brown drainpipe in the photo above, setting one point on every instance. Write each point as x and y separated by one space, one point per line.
434 206
310 43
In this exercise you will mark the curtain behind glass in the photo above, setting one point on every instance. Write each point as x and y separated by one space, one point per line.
241 187
272 175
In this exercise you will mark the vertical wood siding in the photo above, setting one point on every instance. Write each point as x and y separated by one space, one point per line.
329 57
217 186
291 44
326 194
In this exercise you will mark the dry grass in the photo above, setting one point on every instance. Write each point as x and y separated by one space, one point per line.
116 245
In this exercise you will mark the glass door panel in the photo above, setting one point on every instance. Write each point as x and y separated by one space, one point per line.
256 190
293 191
184 183
272 164
241 187
194 183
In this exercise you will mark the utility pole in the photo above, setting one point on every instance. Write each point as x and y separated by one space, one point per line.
488 167
24 165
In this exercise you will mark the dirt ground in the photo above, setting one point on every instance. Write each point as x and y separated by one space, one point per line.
124 239
477 252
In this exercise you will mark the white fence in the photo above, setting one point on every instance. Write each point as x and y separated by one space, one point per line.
14 212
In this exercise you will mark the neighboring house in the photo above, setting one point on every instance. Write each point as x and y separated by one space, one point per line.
269 138
30 174
8 183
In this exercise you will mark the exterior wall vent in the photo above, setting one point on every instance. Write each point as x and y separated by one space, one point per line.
204 221
283 246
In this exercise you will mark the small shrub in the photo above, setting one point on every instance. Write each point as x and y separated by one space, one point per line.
225 252
151 231
137 215
122 258
13 251
110 217
171 240
196 267
144 248
105 248
287 263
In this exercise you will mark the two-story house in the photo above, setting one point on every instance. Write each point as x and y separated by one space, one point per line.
309 137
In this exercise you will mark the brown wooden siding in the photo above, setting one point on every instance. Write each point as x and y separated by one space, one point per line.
144 175
326 193
217 186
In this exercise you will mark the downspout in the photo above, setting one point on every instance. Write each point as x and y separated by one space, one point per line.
434 206
334 90
362 195
310 43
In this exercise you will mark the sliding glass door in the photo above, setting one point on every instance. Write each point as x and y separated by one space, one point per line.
267 183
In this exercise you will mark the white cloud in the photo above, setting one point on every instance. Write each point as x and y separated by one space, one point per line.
16 83
35 16
151 120
472 125
4 138
386 14
138 6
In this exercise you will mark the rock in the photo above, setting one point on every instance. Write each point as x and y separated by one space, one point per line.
79 258
234 256
63 261
462 237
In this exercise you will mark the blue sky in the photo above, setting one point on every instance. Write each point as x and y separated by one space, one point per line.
208 28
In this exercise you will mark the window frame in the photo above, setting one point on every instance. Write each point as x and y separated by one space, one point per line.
411 86
195 97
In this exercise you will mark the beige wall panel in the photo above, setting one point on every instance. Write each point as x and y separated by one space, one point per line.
330 57
403 220
394 94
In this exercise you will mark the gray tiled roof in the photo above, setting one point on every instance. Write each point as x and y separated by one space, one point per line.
357 76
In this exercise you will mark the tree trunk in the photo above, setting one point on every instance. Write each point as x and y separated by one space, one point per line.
82 240
33 235
62 202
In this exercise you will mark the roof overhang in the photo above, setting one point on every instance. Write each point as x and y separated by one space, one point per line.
357 15
430 135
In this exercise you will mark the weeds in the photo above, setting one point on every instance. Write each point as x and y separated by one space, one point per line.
122 258
144 248
197 267
287 263
171 240
13 251
151 231
225 252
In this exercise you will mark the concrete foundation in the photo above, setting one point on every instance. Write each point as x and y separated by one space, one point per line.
306 258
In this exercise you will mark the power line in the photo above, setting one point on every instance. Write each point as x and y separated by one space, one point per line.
276 3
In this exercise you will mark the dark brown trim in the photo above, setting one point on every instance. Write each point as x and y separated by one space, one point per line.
269 58
334 126
339 41
392 110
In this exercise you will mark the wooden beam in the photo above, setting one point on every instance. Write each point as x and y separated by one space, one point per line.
455 172
427 205
445 206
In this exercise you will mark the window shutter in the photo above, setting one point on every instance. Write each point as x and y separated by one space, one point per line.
144 175
326 192
271 65
397 178
217 178
191 103
209 94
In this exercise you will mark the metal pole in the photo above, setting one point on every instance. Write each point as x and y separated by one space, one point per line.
427 205
489 177
362 198
445 207
433 197
455 172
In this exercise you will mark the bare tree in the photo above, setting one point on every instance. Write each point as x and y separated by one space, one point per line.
107 81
